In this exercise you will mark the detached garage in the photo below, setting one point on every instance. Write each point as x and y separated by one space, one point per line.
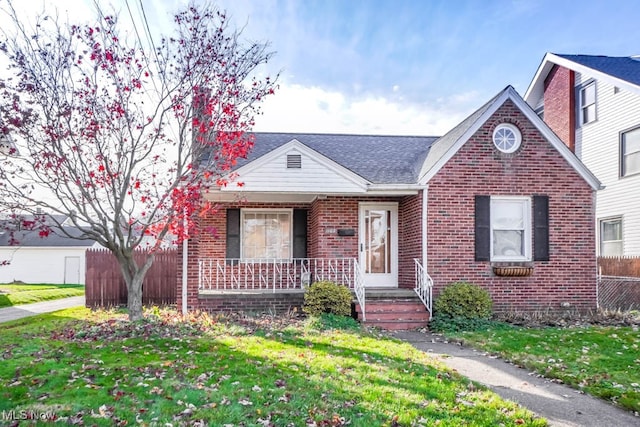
52 259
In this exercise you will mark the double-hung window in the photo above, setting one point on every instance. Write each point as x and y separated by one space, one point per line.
611 237
587 103
630 152
266 234
510 229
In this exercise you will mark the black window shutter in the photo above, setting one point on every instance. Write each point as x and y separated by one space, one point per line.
482 228
233 233
541 228
299 233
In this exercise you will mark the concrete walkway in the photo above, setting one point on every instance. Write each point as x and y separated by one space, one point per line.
559 404
20 311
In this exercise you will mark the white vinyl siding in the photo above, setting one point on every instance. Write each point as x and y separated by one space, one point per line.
49 264
312 176
598 146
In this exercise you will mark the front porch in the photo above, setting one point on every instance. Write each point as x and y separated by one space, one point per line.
229 284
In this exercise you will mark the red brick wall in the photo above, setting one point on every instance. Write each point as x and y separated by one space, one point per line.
325 218
536 168
559 104
410 238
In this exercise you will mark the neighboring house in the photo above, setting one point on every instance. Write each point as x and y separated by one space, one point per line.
593 104
499 201
35 259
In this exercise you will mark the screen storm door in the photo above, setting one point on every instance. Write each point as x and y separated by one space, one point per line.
378 244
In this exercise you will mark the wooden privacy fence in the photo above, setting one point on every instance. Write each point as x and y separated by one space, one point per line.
620 266
105 286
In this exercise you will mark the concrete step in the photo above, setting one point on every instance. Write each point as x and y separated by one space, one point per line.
395 315
393 306
396 325
396 309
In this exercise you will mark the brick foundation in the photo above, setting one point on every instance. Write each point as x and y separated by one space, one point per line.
276 303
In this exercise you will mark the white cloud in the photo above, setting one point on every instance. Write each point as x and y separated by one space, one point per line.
297 108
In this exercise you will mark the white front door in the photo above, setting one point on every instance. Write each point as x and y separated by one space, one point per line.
379 244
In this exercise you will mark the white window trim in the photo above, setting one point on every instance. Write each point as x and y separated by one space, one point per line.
528 232
288 211
516 134
610 219
581 107
623 172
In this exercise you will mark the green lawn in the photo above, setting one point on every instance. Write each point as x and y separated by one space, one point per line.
602 361
16 294
103 370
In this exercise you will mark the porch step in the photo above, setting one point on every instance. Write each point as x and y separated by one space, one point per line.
396 309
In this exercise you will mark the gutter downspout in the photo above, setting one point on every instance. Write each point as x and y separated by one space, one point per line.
425 192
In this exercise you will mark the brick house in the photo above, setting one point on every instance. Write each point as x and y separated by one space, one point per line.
498 201
593 104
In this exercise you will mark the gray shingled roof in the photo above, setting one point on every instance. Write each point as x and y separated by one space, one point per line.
378 159
54 239
623 67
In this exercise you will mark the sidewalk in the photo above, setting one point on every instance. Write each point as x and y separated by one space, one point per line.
559 404
20 311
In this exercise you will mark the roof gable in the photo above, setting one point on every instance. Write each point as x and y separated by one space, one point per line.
317 173
377 159
447 146
621 71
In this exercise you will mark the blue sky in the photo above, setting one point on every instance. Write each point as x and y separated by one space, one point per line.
407 66
435 60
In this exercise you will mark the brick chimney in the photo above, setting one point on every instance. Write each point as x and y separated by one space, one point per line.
560 104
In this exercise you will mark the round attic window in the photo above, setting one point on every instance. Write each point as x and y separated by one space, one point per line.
507 137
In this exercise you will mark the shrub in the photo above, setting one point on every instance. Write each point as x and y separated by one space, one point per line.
461 306
463 299
327 297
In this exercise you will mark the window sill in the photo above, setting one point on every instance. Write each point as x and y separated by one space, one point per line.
512 269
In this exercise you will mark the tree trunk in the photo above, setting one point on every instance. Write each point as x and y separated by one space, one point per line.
134 297
134 276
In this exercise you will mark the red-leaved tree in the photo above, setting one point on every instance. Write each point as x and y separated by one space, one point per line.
122 138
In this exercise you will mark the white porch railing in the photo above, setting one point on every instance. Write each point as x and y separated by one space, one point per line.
276 275
358 288
424 285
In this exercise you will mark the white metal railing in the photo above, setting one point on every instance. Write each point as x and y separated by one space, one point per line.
424 285
358 288
275 274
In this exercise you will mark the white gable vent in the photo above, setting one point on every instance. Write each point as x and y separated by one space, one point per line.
294 161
